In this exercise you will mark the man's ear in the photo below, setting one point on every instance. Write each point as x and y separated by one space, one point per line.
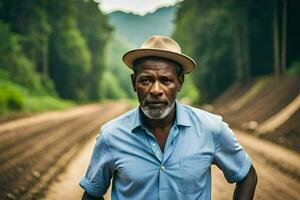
181 80
133 78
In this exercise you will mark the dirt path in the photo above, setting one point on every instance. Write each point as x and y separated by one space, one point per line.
274 183
280 118
35 150
66 185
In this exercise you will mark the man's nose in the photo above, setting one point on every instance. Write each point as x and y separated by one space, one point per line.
156 89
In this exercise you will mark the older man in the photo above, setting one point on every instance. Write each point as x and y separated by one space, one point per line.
163 149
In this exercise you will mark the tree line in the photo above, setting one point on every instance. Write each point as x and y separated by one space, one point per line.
233 40
53 47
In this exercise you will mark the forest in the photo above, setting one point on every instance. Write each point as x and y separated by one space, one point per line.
237 41
53 54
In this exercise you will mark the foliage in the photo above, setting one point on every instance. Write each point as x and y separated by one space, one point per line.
295 68
95 29
212 50
235 40
189 92
69 56
45 103
109 88
17 67
116 48
51 46
11 97
77 46
70 60
14 98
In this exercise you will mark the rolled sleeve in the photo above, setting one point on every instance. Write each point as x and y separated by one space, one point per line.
97 177
230 156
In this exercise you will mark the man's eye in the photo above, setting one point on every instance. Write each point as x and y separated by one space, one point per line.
167 81
145 81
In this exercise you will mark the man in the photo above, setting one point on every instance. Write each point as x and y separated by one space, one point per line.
163 149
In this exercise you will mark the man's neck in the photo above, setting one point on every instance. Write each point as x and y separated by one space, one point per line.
160 128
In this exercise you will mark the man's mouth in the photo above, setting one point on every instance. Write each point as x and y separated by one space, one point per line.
156 103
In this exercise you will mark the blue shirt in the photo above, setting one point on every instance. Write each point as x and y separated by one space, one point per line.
129 153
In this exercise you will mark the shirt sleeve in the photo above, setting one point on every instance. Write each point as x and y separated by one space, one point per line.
97 177
230 156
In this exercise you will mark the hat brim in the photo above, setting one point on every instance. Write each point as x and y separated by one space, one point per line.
187 63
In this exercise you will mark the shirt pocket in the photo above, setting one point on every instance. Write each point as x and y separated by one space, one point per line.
193 173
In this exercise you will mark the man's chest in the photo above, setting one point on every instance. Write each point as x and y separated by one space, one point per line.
184 161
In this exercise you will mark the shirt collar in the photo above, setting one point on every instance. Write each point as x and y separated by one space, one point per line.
182 117
136 119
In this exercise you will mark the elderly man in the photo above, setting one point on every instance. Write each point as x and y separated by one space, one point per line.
163 149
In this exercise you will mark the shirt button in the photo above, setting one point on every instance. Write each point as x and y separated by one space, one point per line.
162 168
153 144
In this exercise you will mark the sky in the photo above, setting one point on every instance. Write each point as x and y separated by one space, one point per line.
140 7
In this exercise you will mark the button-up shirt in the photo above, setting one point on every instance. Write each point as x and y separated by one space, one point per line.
129 154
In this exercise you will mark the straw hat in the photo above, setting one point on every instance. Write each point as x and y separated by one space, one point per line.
160 46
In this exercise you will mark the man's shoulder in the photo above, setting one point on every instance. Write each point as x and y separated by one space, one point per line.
121 122
205 118
202 114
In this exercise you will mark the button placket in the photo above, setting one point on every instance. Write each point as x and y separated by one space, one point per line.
170 143
155 148
154 145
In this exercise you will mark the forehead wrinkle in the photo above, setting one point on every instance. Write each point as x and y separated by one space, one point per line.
145 73
151 73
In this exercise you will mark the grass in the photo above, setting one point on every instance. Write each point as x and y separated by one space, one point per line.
45 103
15 99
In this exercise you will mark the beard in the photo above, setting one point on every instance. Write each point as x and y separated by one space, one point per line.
157 108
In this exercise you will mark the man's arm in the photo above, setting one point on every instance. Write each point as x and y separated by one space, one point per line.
86 196
245 189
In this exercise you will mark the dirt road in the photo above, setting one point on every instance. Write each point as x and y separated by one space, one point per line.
35 150
277 181
33 157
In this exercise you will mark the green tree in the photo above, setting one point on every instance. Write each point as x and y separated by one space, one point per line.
109 88
69 55
13 62
209 41
28 19
95 29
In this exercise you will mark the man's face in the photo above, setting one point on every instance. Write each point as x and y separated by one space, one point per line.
156 83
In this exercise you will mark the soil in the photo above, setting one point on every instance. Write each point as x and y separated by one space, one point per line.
277 94
270 100
222 103
288 134
34 153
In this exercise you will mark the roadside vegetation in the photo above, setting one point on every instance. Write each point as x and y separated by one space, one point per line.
238 41
51 54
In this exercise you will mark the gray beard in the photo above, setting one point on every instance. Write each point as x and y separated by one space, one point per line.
157 113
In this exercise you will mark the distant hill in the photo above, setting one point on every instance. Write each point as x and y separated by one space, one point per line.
135 28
